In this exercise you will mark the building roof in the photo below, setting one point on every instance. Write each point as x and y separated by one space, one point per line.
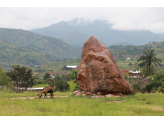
73 66
37 88
134 71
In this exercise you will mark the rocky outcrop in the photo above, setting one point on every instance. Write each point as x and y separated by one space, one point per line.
99 72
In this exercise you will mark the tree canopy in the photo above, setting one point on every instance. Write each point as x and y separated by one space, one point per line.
22 76
148 59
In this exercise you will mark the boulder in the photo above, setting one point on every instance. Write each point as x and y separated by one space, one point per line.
94 94
78 94
84 95
75 92
99 93
108 95
89 93
99 72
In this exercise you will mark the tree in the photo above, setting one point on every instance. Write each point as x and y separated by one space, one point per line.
153 70
148 59
130 64
22 76
46 76
4 79
50 81
65 85
61 83
73 75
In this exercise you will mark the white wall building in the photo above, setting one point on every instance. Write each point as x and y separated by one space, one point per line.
127 58
73 66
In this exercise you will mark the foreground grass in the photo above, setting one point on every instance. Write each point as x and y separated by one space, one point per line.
132 105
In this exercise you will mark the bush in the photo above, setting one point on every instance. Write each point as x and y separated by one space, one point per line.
136 83
156 82
61 83
160 89
72 86
143 90
153 85
4 79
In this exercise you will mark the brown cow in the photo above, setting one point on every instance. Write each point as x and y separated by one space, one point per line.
48 89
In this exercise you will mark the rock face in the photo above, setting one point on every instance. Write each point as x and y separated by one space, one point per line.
99 72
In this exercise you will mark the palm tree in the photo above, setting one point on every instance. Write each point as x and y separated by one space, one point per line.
148 59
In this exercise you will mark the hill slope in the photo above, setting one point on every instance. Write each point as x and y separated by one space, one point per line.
11 54
40 43
77 31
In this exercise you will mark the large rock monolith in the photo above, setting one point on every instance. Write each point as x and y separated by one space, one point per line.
99 72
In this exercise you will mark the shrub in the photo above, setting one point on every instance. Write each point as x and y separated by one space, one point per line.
136 83
153 85
61 83
156 82
160 89
72 86
143 90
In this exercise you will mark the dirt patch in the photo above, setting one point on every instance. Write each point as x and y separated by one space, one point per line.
21 98
36 97
119 101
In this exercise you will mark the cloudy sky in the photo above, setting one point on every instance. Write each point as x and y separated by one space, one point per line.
122 18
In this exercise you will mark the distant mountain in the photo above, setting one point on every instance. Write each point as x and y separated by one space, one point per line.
77 31
11 54
43 44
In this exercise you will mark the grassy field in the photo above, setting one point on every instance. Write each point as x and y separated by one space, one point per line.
6 94
133 105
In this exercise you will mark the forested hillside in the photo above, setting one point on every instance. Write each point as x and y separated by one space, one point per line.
120 52
11 54
40 43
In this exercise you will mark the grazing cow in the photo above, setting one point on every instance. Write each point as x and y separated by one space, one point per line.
48 89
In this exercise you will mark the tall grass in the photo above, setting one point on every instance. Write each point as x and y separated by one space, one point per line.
132 105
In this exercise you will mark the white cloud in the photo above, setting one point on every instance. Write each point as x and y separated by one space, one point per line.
122 18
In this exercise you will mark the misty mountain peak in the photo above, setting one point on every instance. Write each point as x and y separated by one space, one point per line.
78 21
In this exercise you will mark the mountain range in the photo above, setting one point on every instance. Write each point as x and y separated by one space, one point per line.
77 31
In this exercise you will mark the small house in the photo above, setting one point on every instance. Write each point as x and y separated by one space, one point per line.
74 67
127 58
134 73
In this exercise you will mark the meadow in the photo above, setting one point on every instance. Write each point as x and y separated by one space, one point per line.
149 104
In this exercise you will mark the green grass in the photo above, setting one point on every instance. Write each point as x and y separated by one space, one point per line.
7 94
133 105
